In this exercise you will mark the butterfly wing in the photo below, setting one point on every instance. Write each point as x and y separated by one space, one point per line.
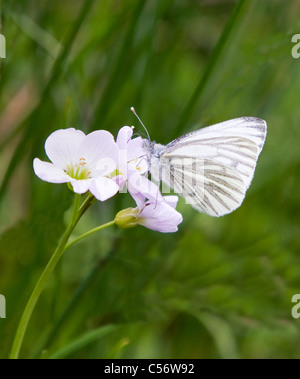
212 168
208 186
235 143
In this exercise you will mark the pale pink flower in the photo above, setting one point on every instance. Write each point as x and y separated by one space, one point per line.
85 161
133 165
160 216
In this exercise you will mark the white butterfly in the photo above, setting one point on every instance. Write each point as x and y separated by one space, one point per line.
211 168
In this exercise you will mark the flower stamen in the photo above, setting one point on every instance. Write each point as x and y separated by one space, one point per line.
82 162
79 171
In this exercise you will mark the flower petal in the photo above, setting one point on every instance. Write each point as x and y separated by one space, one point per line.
138 197
50 173
172 201
160 217
124 136
138 184
121 181
136 149
62 147
81 186
96 146
103 188
104 167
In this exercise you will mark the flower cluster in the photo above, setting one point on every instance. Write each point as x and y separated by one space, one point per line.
98 164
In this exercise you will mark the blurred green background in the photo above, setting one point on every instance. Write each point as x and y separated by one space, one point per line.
219 288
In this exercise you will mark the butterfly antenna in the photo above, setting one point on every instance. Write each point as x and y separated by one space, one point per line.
141 122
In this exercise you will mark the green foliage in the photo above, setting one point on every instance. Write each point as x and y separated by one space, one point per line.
219 288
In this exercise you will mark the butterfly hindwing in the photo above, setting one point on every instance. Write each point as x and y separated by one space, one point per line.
208 186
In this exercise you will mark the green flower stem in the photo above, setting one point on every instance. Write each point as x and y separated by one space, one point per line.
78 212
86 204
76 215
87 234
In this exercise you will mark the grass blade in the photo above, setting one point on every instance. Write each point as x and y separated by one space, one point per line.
119 67
29 125
211 64
83 341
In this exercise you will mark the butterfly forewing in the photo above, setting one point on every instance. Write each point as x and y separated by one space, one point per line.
236 143
212 168
246 127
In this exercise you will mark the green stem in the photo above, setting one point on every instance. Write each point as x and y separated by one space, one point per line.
77 213
86 204
89 233
80 291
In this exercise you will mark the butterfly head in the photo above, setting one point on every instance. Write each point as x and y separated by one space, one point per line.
154 150
149 145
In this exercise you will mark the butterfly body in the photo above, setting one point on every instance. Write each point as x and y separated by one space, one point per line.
213 167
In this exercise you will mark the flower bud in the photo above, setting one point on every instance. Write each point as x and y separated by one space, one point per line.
128 218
